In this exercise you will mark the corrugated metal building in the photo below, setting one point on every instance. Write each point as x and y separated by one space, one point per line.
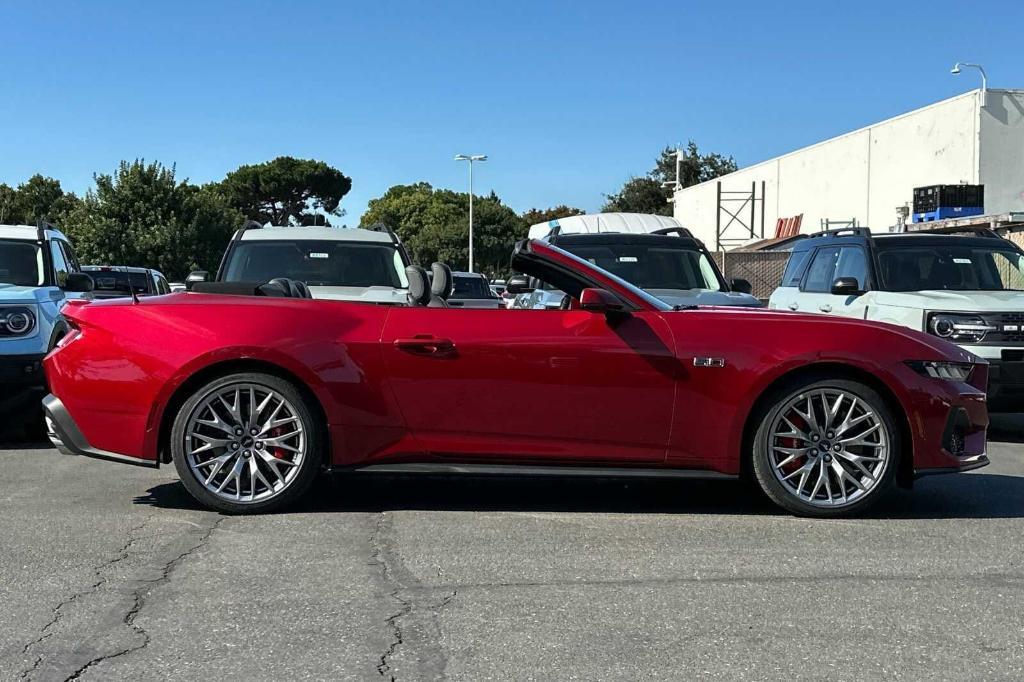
866 174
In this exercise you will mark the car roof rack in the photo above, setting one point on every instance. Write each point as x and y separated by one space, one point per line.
383 227
41 227
961 230
678 231
840 232
249 224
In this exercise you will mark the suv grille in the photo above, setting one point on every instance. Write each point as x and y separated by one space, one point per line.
1011 329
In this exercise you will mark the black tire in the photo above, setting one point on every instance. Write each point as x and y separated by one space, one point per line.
306 471
783 495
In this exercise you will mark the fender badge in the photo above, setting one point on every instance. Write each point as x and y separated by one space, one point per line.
709 362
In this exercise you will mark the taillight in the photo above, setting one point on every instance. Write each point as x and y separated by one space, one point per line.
73 333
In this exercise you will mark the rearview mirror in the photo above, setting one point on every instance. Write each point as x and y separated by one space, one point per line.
740 285
78 282
599 301
518 284
196 276
846 286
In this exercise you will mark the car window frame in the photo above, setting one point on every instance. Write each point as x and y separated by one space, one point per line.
810 263
867 284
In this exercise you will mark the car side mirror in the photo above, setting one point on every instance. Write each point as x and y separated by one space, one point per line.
600 301
518 284
740 285
846 286
78 282
196 276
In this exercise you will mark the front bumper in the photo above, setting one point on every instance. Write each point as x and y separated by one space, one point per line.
68 439
1006 385
22 381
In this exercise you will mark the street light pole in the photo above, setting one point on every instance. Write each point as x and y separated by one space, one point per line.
984 77
471 159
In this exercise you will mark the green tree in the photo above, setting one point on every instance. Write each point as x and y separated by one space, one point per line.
142 215
537 215
38 198
287 191
650 193
640 195
434 226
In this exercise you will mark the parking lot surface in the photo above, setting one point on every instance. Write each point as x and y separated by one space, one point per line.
109 571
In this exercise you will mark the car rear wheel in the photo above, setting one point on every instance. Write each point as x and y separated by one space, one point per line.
246 443
826 448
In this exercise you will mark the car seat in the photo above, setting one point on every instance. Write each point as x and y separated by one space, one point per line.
441 285
419 286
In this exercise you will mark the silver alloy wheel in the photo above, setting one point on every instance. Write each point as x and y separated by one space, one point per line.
828 447
245 442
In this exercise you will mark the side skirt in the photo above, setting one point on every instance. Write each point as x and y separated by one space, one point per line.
534 470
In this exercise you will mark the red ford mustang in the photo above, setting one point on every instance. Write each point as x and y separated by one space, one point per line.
252 396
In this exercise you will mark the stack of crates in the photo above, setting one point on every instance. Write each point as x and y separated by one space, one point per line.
948 201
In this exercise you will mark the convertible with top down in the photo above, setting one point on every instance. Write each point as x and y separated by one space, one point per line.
252 390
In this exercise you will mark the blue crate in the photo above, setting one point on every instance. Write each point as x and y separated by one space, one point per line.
943 212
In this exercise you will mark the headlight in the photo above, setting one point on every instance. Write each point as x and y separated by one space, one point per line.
959 327
951 371
16 321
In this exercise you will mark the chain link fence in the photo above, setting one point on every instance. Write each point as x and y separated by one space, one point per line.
763 269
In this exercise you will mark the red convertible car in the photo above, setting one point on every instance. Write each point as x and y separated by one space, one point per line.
252 396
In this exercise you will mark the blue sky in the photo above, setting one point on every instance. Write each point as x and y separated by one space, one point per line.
568 98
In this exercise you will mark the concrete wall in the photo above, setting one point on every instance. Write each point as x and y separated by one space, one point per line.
866 174
1002 151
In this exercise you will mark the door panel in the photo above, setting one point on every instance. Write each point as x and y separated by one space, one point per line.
542 384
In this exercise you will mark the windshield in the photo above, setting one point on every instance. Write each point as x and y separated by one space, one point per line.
471 287
652 267
21 263
952 267
317 263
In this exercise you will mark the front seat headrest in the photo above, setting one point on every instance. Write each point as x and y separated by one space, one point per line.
419 285
442 283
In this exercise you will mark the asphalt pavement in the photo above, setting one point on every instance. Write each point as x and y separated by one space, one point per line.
112 572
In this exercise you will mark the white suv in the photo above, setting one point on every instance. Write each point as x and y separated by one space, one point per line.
345 264
966 289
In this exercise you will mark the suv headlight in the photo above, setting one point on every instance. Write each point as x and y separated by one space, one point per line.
959 327
951 371
16 321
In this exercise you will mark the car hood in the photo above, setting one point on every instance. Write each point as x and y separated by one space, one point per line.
698 297
939 348
388 295
13 293
974 301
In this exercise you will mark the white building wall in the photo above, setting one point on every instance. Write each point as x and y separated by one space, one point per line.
1002 151
866 174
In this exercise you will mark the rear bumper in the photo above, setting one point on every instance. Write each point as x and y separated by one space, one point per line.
68 439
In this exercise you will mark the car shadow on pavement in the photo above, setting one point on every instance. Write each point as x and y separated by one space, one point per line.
977 495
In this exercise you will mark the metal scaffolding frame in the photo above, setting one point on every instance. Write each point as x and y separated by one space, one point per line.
744 198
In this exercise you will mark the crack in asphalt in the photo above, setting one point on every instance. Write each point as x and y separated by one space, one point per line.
136 598
58 611
139 595
422 618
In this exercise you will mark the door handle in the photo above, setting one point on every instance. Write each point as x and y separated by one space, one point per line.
826 308
425 344
794 306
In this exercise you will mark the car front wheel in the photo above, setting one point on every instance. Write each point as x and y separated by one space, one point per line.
826 448
246 443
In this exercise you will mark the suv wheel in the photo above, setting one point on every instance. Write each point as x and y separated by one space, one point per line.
246 443
826 448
